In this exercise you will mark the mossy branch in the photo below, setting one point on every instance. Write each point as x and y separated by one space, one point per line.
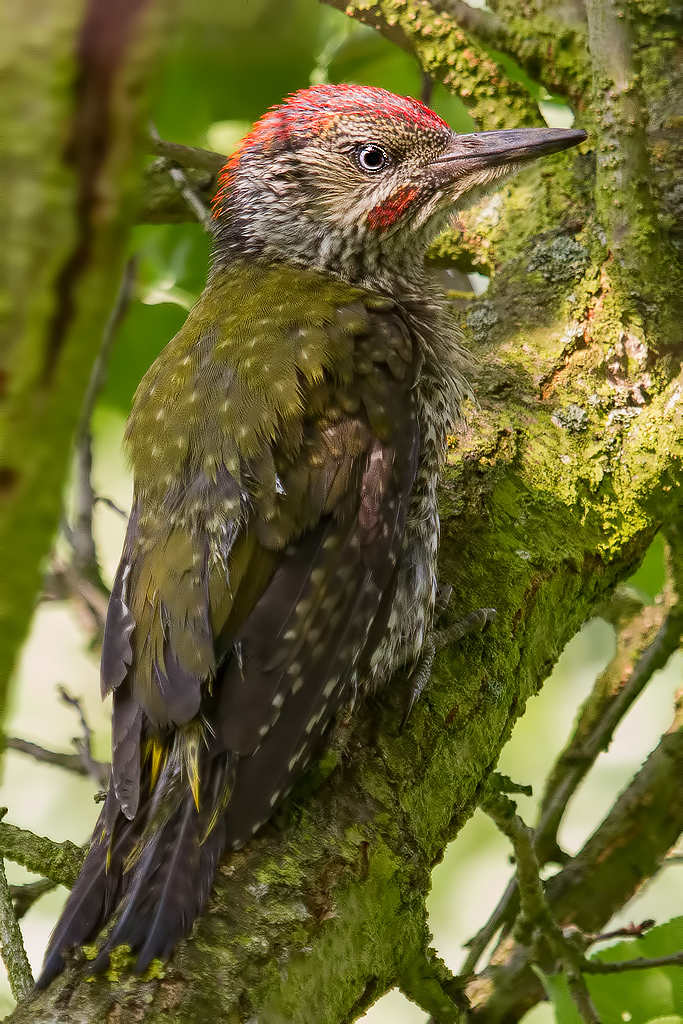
629 847
646 639
59 862
12 944
62 253
535 912
645 265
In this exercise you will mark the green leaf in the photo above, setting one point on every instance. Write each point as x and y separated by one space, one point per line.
555 987
651 575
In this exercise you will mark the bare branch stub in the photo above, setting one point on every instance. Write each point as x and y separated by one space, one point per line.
24 896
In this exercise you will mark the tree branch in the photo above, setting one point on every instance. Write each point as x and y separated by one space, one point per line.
542 515
161 200
612 696
535 912
70 762
628 847
645 263
83 75
550 46
12 944
59 862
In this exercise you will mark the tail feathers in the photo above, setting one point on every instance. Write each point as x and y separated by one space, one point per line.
93 897
147 887
169 887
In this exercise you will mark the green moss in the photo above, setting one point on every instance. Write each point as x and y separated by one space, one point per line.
120 963
155 971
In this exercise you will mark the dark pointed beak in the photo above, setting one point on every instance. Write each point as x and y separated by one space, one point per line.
467 154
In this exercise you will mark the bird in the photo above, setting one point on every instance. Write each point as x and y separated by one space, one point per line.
281 551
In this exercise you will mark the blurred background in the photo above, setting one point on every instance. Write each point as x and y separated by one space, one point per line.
228 64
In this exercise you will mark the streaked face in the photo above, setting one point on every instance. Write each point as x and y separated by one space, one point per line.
363 165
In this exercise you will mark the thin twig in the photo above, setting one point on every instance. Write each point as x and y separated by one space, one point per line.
629 931
478 943
70 762
98 771
12 944
201 212
98 374
100 499
64 582
639 963
81 536
82 762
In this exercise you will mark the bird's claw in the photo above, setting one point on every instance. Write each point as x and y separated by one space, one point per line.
476 622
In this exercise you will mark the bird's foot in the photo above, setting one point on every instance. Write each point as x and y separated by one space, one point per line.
476 622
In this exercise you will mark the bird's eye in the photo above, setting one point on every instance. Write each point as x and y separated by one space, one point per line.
371 158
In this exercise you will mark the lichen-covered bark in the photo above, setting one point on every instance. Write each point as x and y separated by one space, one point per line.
72 119
570 464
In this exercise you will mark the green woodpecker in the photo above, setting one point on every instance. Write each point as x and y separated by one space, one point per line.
282 546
